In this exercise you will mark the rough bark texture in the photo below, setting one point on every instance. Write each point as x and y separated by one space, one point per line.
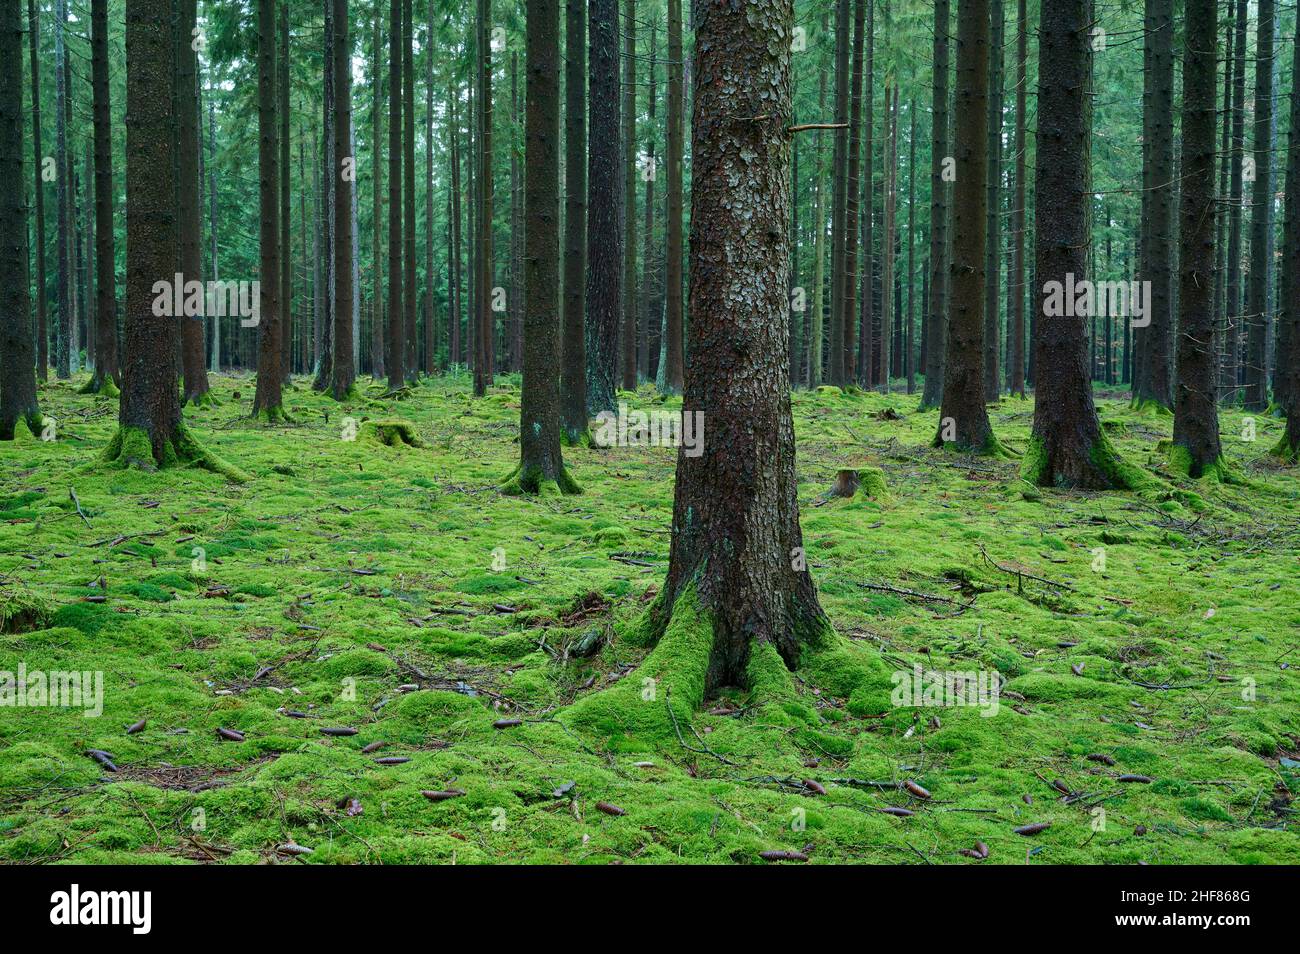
1287 382
411 298
344 366
647 312
1257 317
267 402
150 401
674 354
286 241
814 349
736 517
604 209
1232 329
541 467
573 361
17 357
483 366
106 360
377 322
193 355
42 331
1196 419
396 357
993 212
1016 371
628 361
936 325
853 190
963 420
839 190
1066 448
63 231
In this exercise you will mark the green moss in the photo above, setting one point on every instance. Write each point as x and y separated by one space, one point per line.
392 433
131 449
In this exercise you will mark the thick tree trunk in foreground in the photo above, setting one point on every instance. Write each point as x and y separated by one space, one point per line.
1257 318
936 325
1287 383
674 354
343 368
604 209
267 402
541 467
1196 448
194 368
106 362
396 283
963 420
736 517
17 357
573 360
1066 448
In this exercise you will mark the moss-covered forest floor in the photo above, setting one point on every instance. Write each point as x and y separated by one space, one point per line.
394 590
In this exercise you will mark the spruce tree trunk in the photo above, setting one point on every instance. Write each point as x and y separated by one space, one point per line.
573 360
1016 372
430 328
909 361
1196 448
604 209
1257 317
396 357
852 191
1066 447
736 531
674 353
64 331
410 301
106 361
455 299
814 371
343 367
839 191
286 242
888 299
328 231
211 168
1287 381
17 353
645 334
267 402
993 250
1228 380
936 325
629 337
377 335
194 367
541 467
963 420
484 366
42 320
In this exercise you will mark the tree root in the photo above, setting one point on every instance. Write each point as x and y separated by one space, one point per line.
520 482
131 449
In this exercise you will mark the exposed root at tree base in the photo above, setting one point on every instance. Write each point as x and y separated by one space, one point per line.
130 448
520 482
272 415
1220 470
104 387
1110 471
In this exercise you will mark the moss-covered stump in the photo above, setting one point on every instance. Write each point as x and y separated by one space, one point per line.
22 611
391 433
131 449
868 482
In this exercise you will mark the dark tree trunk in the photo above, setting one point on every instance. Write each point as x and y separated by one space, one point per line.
343 367
1066 448
377 335
573 362
211 168
411 357
106 362
1016 376
963 420
194 366
42 328
1232 330
17 354
736 517
847 346
396 281
629 196
455 298
936 325
1257 317
1287 381
604 209
1153 378
674 354
993 250
541 466
647 312
516 222
1196 448
430 328
267 402
483 366
815 324
909 361
328 232
839 190
286 242
63 333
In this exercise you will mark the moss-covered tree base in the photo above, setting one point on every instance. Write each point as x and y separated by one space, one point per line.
31 424
1285 451
131 449
392 433
206 399
1150 407
272 415
580 439
1220 470
1110 471
992 447
104 387
520 482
